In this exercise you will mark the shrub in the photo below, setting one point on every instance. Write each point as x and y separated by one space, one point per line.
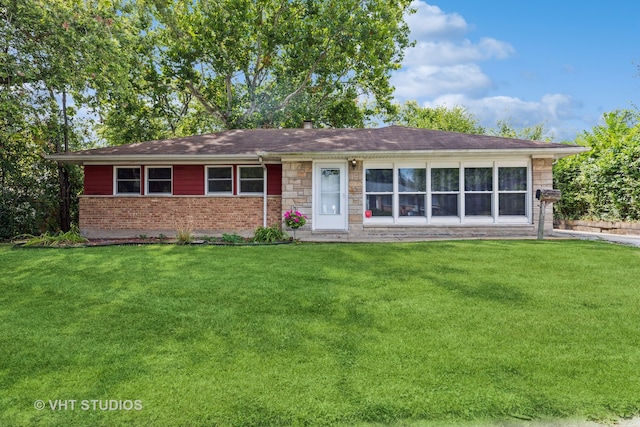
232 238
184 236
602 183
71 237
269 234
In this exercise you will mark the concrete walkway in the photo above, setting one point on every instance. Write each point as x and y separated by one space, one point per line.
556 234
584 235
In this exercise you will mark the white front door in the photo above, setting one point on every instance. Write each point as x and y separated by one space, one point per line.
330 196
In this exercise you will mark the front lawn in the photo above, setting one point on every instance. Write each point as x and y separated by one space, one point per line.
319 334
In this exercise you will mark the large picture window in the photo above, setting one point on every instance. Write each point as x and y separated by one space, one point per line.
127 180
251 179
220 180
159 180
447 192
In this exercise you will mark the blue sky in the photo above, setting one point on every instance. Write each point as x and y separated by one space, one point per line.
561 63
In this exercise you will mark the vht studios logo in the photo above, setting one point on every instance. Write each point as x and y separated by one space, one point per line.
88 405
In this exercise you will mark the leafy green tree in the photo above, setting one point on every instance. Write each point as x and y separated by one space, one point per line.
272 63
603 183
454 119
533 133
55 56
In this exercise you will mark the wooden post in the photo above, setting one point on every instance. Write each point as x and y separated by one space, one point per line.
543 208
545 195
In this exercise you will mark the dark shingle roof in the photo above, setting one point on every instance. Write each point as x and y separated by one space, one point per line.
299 141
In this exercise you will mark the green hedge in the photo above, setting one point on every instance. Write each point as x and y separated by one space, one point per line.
603 183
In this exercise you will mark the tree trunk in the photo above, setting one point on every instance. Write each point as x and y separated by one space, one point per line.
63 173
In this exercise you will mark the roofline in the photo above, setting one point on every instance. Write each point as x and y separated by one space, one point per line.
554 152
150 158
550 152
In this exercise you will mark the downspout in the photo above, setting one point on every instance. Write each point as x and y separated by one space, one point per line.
264 197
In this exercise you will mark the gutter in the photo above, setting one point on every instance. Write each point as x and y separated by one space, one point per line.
176 159
264 192
556 152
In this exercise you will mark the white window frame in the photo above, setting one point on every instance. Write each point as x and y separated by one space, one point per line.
115 181
430 193
514 219
146 180
478 219
403 219
239 180
429 219
392 193
206 180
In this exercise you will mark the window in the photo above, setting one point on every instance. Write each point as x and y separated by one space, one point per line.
330 191
159 180
445 191
127 181
412 189
251 179
478 191
512 191
220 180
379 191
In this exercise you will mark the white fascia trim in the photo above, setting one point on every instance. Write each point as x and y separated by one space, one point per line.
533 153
152 159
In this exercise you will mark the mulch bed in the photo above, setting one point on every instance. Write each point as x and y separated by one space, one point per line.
136 241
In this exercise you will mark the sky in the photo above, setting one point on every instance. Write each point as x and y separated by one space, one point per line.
558 63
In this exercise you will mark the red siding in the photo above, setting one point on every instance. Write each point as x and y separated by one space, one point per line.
98 180
188 180
274 180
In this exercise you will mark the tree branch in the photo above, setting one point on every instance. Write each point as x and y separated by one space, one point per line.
304 83
211 109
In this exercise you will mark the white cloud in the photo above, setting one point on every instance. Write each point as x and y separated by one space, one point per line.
443 69
430 21
552 110
443 61
454 52
429 81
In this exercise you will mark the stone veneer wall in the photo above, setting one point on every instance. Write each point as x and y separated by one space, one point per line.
608 227
356 208
108 216
297 185
542 170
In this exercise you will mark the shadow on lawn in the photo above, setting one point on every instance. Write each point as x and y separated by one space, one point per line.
475 288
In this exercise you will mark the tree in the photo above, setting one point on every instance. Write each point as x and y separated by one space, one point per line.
532 133
55 56
272 63
455 119
603 182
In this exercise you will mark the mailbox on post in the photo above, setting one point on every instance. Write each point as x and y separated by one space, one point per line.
548 195
545 196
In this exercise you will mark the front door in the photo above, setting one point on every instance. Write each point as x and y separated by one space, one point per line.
330 196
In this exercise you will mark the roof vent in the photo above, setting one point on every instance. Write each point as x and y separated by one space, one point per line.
307 124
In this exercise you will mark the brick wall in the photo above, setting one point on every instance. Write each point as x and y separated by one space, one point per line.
105 216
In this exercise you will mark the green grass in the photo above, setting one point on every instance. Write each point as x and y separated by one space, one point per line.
321 334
